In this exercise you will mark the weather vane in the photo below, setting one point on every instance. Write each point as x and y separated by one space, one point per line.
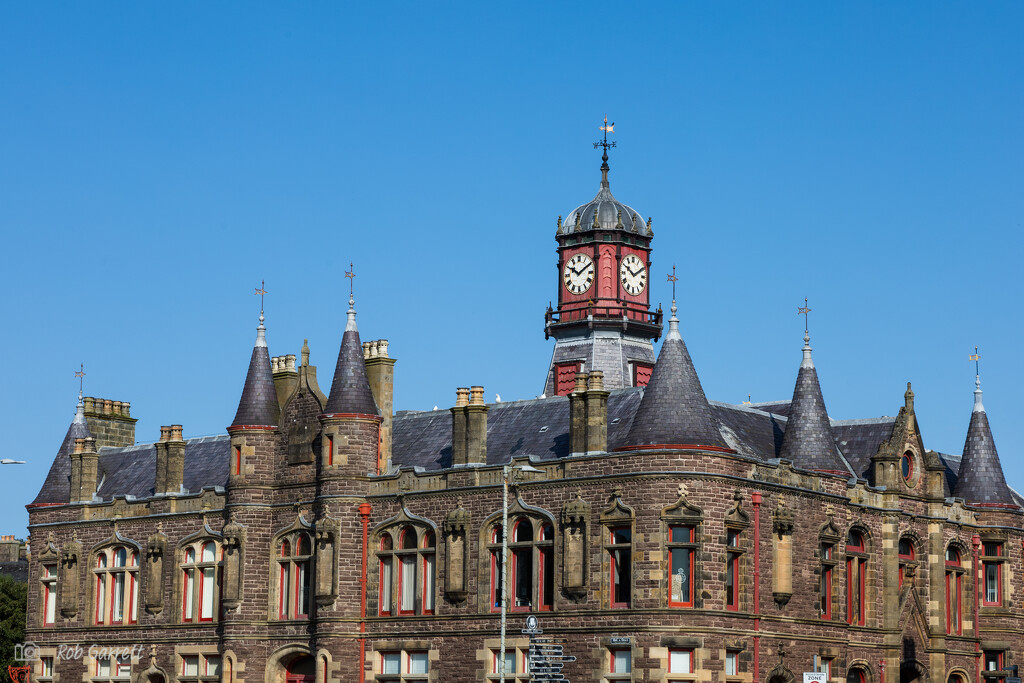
261 291
607 128
672 278
975 357
350 274
803 310
80 374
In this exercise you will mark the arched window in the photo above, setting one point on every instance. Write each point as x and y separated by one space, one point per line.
200 581
531 565
856 577
906 554
295 551
827 549
856 675
117 582
954 591
409 569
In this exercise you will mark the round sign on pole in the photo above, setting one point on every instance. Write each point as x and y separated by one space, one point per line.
531 623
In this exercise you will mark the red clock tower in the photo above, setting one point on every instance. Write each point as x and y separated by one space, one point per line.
604 319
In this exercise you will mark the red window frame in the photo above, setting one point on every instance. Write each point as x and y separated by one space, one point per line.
386 546
611 660
283 594
403 545
520 555
49 581
106 585
690 531
856 568
732 570
427 595
238 459
825 589
613 549
681 650
993 660
992 549
546 569
496 574
330 449
954 592
905 557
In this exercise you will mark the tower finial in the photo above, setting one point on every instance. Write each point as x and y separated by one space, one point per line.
804 310
673 322
976 357
607 128
261 331
80 374
351 275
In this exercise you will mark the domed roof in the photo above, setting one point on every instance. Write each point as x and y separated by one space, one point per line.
609 212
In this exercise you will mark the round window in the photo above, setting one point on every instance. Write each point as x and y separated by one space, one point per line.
907 467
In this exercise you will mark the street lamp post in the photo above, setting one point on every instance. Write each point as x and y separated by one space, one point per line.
506 472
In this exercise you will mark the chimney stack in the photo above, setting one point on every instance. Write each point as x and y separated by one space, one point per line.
90 468
588 414
170 461
380 373
286 377
469 427
110 421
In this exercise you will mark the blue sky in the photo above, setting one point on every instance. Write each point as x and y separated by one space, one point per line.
158 160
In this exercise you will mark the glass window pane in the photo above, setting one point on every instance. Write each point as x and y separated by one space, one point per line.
385 585
428 582
622 662
206 604
621 535
391 662
103 668
408 581
190 665
213 666
680 662
680 575
418 663
731 664
209 552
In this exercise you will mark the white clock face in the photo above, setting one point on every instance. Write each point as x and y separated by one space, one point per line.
633 274
578 274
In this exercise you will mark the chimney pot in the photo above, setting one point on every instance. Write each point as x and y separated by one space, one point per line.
275 363
596 380
165 434
581 382
366 350
108 406
291 362
88 444
79 446
476 396
117 407
461 397
90 404
126 408
176 433
382 348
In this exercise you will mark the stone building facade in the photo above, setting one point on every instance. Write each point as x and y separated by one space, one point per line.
663 536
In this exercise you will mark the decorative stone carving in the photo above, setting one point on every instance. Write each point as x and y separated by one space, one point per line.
455 526
234 549
327 531
575 516
156 548
70 558
782 553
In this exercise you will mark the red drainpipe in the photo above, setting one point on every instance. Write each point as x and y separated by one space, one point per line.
364 512
976 545
755 498
881 671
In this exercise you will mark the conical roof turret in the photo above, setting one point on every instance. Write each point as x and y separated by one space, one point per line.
258 406
808 442
980 479
57 487
350 390
674 410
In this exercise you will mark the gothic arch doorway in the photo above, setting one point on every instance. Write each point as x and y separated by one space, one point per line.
300 669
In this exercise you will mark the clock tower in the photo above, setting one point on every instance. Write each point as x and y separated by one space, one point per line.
603 320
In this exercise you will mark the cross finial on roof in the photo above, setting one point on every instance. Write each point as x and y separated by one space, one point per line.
747 402
80 374
977 366
976 357
673 279
260 292
804 310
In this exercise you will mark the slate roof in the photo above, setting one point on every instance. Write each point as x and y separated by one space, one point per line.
808 441
980 477
57 485
609 212
258 404
132 470
674 409
350 389
860 439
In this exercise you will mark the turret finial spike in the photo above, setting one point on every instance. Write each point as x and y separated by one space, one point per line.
673 322
80 374
261 331
351 274
607 128
978 405
804 310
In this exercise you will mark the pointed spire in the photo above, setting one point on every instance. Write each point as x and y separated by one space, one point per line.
808 441
350 390
674 410
258 405
57 487
980 479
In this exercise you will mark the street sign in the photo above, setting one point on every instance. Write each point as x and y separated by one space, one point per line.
545 657
620 640
815 677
